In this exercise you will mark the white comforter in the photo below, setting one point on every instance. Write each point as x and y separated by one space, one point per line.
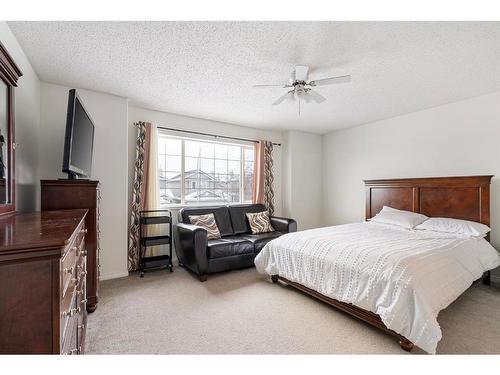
404 276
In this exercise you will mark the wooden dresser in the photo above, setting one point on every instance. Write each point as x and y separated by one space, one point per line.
42 282
81 194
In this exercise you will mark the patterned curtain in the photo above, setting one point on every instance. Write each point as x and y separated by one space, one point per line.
263 182
139 191
268 177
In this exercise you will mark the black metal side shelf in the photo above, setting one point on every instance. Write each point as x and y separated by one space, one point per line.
155 217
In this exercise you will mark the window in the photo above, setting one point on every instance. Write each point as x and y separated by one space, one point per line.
197 172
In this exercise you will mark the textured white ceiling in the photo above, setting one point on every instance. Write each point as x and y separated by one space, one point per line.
207 69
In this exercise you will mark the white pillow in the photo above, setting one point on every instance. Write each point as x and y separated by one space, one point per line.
446 225
405 219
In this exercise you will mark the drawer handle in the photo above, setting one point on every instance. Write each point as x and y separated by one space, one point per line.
74 248
79 292
84 230
83 301
81 268
83 253
71 312
69 270
81 327
84 273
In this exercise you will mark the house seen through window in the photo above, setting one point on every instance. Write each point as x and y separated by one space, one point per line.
197 172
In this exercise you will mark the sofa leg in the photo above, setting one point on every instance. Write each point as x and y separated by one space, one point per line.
274 278
203 278
487 278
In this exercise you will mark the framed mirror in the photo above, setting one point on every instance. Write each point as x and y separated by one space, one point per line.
9 75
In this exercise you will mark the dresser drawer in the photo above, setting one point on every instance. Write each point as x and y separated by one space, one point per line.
81 287
78 236
67 303
68 267
70 338
81 332
70 271
81 301
69 313
73 337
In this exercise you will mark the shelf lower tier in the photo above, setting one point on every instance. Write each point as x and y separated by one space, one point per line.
155 240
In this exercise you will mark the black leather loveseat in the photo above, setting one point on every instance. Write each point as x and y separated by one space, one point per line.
237 246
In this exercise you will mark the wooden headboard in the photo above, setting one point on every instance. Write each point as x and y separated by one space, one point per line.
466 198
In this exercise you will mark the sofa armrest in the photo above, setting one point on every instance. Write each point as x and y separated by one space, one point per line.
191 246
284 225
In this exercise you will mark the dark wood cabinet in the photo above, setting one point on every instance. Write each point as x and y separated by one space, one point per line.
9 76
42 282
79 194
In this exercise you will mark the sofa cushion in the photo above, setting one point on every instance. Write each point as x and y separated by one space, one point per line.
225 247
259 222
208 223
260 240
221 215
239 219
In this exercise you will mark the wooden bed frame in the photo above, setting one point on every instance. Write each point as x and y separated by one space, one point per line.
466 198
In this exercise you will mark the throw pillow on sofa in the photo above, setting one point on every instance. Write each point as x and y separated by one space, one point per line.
207 222
259 222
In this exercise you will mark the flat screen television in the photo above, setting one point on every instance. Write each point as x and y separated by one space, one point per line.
79 140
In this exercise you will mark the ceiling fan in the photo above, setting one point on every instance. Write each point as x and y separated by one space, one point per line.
300 88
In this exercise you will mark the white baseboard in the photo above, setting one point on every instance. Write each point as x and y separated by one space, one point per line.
110 276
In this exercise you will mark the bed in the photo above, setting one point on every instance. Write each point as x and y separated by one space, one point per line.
394 279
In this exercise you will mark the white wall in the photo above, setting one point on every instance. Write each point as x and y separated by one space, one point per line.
27 126
302 187
461 138
110 163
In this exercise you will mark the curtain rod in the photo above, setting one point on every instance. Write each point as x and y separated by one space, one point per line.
213 135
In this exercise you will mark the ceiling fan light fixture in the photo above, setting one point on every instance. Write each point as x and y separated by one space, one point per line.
300 91
301 86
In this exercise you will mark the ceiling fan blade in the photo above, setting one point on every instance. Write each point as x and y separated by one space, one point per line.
315 96
288 95
282 85
330 81
301 72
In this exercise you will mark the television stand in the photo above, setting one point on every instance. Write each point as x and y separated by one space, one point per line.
73 179
71 194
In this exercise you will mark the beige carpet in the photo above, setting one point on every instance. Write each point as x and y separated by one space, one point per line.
241 312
